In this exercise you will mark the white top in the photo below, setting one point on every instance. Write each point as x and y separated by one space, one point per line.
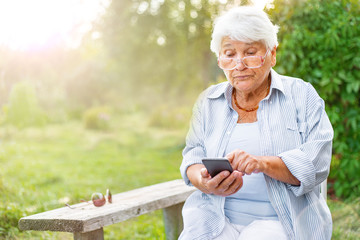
251 202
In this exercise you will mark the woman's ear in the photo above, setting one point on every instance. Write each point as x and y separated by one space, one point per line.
273 57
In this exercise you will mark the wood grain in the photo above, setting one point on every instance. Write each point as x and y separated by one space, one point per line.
86 217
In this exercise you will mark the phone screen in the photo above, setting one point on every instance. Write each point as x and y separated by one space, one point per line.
217 165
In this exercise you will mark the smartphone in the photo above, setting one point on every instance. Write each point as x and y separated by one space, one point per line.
217 165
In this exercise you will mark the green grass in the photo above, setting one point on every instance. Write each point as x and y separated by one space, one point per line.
346 217
44 168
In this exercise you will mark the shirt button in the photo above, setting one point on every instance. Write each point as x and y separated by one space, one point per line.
214 234
235 117
228 133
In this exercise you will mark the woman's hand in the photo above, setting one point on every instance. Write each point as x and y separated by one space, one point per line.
272 166
245 162
223 184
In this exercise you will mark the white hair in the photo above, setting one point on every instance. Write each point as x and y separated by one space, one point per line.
245 24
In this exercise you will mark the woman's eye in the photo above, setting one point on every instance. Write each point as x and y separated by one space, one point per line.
229 54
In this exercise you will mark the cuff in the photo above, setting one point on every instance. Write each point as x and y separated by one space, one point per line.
302 168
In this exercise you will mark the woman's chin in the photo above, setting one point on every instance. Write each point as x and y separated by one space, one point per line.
243 85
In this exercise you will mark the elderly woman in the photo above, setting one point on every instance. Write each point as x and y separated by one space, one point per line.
275 133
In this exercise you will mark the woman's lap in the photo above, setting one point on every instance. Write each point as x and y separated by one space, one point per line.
257 230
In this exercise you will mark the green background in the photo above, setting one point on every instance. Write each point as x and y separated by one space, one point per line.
114 112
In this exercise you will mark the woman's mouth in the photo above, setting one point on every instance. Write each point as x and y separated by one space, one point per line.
241 77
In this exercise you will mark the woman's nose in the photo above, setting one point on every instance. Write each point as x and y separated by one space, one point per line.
239 65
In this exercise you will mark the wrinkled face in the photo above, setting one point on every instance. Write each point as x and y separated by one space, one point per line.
242 78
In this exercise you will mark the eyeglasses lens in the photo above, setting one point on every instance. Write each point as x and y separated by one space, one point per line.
109 196
98 199
230 63
252 61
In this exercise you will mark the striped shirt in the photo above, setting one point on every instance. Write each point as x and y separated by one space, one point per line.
293 125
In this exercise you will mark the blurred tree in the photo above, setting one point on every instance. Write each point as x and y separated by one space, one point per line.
162 46
320 42
23 109
44 70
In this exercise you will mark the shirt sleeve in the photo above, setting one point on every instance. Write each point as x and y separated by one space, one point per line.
310 162
194 150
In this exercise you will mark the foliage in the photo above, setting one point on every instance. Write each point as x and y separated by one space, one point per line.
155 54
169 117
97 118
162 45
320 42
345 216
10 213
87 83
23 109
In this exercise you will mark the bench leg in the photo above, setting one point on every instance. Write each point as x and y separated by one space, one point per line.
93 235
173 221
324 189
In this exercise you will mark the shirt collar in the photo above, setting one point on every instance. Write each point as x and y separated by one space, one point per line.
223 88
276 82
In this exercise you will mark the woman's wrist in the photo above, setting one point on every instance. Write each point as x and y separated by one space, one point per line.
193 172
274 167
266 164
272 164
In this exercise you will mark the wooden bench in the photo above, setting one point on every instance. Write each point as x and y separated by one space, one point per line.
87 221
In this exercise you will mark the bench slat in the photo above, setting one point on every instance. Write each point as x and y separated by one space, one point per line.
86 217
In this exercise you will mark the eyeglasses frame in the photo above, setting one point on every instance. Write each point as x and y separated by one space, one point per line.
97 202
238 60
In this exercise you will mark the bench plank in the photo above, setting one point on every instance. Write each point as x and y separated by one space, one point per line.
86 217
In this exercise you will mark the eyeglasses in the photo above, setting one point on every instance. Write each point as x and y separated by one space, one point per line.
226 63
98 199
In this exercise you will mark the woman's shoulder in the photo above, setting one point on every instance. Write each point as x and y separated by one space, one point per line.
292 81
299 89
295 85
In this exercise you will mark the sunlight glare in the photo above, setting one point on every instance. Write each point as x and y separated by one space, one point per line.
35 24
263 3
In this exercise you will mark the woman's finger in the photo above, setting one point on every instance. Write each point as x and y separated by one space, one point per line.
239 157
230 156
239 183
213 184
219 178
204 173
232 184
